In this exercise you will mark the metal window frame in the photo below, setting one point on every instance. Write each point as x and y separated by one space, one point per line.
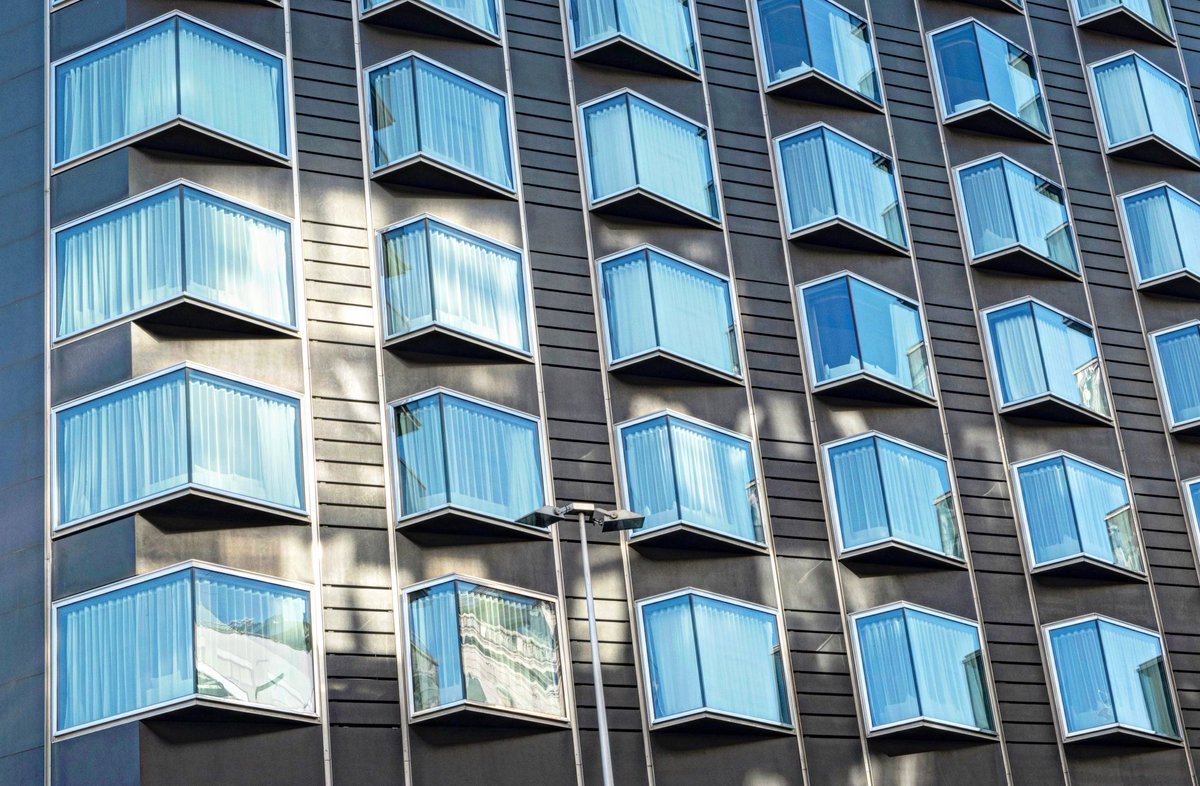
578 52
1116 148
179 120
1023 519
194 699
835 516
1169 37
703 712
415 716
1160 374
922 720
189 488
183 296
1127 234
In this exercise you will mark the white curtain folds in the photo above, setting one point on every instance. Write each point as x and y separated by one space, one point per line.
434 648
806 180
840 46
1179 358
1171 114
1164 229
393 114
662 26
948 667
1017 353
887 668
1007 205
672 157
1137 98
609 140
1121 100
481 13
630 306
672 659
463 124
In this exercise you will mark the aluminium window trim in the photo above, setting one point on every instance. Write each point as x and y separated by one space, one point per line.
1156 368
964 218
441 390
1079 556
1100 731
194 699
948 118
179 120
992 358
833 384
581 52
423 156
798 233
681 523
1082 21
189 488
921 720
528 324
835 516
703 130
367 16
1127 234
655 723
1190 506
613 364
772 85
184 296
415 716
1098 109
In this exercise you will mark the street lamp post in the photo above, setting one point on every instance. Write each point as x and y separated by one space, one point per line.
609 521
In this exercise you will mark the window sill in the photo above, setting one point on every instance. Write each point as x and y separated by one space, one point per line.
839 233
195 708
867 387
662 364
815 87
642 205
421 171
449 525
714 722
1083 566
473 715
897 554
923 730
1180 284
1153 150
1022 261
434 341
1112 736
422 18
621 51
990 119
1049 407
1120 21
192 508
663 542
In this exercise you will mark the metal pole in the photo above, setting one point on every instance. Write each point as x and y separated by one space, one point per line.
597 678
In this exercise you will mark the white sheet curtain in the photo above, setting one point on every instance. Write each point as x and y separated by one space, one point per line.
1171 114
662 26
1041 216
1069 353
1137 680
593 21
858 493
1049 516
629 306
393 114
434 647
122 447
1083 685
650 472
694 314
115 92
1121 100
946 659
1017 353
672 659
1098 498
611 164
481 13
119 263
1153 11
462 124
739 650
887 668
810 195
253 642
1161 226
864 188
988 205
232 88
237 258
492 458
672 157
477 287
840 46
125 650
1179 357
715 476
421 456
407 282
915 485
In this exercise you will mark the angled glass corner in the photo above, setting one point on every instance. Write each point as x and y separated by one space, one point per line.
167 78
818 51
1016 220
436 128
696 484
174 433
476 20
711 660
178 244
450 291
658 36
665 316
1146 114
864 341
1160 223
1045 364
1176 354
839 192
921 672
892 502
1149 20
466 466
1078 518
987 83
646 162
184 636
1110 681
482 649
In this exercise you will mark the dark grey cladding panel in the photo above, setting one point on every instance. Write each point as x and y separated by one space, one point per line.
111 757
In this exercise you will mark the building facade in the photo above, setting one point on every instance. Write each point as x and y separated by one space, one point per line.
884 314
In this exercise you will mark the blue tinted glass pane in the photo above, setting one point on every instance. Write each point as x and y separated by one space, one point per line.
784 39
509 650
118 263
1072 365
672 660
407 279
806 184
629 305
245 441
253 643
1018 359
799 35
463 124
693 313
832 339
1006 205
960 70
672 157
920 507
121 448
609 139
434 647
1011 79
650 472
393 114
232 88
1137 99
480 13
125 650
420 456
237 257
949 670
1137 676
858 493
1164 230
887 668
662 26
1152 11
740 660
1179 359
1046 503
715 479
115 92
493 460
1082 680
1171 113
891 338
